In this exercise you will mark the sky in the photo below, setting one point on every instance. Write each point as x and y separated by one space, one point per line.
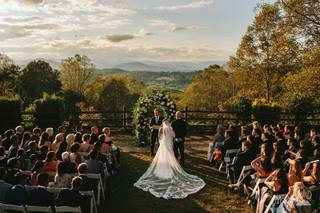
117 31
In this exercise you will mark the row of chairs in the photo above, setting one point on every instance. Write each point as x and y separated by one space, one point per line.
4 208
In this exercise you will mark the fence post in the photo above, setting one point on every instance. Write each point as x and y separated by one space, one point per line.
124 117
186 114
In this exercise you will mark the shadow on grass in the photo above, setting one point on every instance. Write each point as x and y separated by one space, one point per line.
127 198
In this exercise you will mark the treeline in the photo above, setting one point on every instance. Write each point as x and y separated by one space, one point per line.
276 66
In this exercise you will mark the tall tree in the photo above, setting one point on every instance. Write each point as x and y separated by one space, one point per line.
208 90
9 73
76 73
267 52
37 78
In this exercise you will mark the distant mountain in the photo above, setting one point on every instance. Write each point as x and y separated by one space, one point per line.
154 66
54 64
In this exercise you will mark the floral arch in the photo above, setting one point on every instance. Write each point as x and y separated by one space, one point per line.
143 112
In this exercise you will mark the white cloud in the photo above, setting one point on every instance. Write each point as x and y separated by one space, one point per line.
23 2
196 4
116 38
170 26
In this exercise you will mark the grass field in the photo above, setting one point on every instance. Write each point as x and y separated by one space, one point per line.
215 197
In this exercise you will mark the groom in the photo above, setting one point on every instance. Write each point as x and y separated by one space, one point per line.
155 124
179 127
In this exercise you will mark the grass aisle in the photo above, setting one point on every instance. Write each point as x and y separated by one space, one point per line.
213 198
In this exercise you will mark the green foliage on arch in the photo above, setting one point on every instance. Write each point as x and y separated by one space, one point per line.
143 112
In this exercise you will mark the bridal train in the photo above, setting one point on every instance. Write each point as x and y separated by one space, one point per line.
165 178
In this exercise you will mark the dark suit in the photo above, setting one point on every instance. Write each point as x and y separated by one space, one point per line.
41 197
16 195
179 127
154 132
71 197
229 143
242 159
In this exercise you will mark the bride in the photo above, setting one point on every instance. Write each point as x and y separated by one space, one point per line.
165 177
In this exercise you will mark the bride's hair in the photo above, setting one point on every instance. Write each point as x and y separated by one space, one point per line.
166 123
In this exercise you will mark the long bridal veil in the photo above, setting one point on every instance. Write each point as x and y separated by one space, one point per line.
165 177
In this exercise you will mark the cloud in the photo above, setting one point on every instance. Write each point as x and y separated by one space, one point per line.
170 26
82 43
116 38
197 4
24 2
19 19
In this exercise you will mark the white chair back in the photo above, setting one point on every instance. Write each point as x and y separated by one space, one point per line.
67 209
9 207
39 209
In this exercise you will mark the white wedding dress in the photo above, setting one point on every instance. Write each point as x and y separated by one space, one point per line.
165 177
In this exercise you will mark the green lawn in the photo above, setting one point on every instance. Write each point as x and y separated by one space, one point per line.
215 197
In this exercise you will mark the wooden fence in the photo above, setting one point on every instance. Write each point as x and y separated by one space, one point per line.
198 119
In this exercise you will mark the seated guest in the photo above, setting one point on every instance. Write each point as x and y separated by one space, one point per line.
6 142
12 152
72 196
87 183
85 146
12 169
19 132
43 152
115 150
40 196
50 163
75 156
298 200
78 135
256 141
231 142
294 173
50 132
4 187
94 135
58 139
276 183
62 178
17 194
243 158
276 160
70 167
313 177
26 138
3 158
24 162
36 133
35 171
33 160
94 165
217 138
61 149
291 149
31 149
44 140
70 140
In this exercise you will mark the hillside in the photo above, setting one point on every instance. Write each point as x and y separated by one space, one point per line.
172 80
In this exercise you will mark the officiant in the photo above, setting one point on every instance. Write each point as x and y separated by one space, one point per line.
155 125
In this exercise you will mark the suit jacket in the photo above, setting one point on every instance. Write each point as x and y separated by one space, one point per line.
243 159
154 122
229 143
41 197
88 184
4 187
95 166
179 127
69 197
16 195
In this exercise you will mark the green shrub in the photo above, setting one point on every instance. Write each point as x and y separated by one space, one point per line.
10 112
48 111
265 112
242 108
301 109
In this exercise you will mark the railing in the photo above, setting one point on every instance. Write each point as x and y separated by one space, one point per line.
198 119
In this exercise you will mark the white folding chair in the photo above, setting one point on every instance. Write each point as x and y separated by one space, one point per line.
67 209
241 176
39 209
100 188
8 207
275 202
228 158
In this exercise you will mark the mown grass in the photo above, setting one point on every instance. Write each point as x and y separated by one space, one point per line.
215 197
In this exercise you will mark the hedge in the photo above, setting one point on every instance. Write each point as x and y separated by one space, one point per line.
10 112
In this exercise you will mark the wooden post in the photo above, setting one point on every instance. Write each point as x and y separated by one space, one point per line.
124 117
186 114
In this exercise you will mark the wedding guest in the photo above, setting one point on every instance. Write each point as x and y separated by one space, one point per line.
31 149
62 130
4 186
61 149
294 173
62 178
12 152
155 122
36 133
107 137
70 140
115 150
85 146
17 194
35 171
40 196
94 134
314 176
26 138
23 161
44 140
74 155
19 132
43 152
230 142
3 157
94 165
58 139
50 132
87 183
50 163
6 142
69 167
276 160
218 138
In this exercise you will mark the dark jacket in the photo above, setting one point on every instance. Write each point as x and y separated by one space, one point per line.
41 197
179 127
16 195
154 122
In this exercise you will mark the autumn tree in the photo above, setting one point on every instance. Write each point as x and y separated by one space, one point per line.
38 78
208 90
9 73
76 73
267 52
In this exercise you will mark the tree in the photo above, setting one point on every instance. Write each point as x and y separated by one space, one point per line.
267 52
9 73
209 89
76 73
37 78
